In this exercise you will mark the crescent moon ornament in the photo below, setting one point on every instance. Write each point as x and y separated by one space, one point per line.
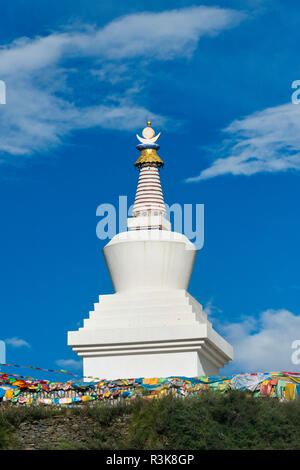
150 141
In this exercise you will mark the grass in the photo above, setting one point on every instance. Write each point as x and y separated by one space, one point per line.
210 421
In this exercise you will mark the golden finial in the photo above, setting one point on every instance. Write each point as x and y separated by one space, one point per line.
148 148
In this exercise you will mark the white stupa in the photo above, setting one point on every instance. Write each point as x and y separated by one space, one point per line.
151 326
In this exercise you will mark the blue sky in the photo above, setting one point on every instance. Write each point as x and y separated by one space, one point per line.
82 78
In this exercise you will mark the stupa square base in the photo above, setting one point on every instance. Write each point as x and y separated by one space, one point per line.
150 333
149 365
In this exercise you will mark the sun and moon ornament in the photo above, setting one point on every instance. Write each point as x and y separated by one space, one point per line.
149 135
148 148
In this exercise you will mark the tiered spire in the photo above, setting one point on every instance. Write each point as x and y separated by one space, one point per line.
149 200
149 196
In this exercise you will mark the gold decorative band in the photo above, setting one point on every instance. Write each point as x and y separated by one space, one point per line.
149 156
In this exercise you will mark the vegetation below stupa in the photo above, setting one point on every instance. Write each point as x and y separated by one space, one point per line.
210 421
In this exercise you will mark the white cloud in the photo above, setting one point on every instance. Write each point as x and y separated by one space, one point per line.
42 104
266 141
160 35
163 35
17 342
69 363
211 309
265 343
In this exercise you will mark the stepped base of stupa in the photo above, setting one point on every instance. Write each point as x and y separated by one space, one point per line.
149 333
